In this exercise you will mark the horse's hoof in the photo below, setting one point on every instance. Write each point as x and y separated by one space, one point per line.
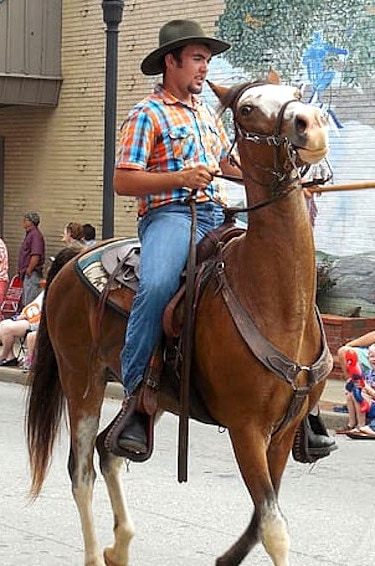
108 561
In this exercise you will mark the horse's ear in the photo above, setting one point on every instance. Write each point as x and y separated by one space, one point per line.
219 90
273 77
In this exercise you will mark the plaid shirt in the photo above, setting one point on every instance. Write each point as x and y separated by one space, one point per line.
164 134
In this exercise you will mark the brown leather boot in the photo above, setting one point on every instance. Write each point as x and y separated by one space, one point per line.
133 437
131 433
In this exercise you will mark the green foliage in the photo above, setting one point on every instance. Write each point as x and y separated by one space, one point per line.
275 33
324 280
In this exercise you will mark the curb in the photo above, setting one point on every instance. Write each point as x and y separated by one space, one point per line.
332 420
16 375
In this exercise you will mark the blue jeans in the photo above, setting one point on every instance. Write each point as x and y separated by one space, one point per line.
165 236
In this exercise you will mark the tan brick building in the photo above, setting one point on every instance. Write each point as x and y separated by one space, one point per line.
52 97
52 159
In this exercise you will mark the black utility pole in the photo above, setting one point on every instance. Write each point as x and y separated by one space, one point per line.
112 16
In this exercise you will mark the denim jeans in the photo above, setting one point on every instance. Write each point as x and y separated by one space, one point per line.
165 236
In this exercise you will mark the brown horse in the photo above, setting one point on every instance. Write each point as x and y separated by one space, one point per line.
257 335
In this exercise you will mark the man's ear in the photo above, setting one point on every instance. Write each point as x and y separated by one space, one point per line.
169 60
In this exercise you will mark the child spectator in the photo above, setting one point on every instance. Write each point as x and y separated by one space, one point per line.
360 394
361 346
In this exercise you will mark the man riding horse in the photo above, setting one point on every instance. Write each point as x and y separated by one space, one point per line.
171 144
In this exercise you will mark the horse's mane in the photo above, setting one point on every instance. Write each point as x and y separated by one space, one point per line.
64 255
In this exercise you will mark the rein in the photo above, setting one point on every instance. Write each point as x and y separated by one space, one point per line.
187 344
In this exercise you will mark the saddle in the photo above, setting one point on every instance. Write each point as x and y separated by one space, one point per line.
120 260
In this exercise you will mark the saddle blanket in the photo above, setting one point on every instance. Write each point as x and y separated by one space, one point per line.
96 265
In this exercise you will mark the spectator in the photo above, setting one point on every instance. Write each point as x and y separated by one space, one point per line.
30 348
360 394
89 234
73 235
4 268
31 257
17 327
361 346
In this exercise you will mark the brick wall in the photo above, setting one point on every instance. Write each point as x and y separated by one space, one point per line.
54 157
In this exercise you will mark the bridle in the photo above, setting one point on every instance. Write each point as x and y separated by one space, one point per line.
283 183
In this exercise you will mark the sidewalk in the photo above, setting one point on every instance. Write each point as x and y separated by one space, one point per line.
333 395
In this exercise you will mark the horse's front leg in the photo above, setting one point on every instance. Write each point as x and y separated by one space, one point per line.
268 524
111 467
81 469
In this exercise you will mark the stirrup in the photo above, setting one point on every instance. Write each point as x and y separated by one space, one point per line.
119 423
301 451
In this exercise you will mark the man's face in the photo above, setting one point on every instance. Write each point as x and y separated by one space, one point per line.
190 72
27 224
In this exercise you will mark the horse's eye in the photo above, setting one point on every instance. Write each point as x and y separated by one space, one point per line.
245 111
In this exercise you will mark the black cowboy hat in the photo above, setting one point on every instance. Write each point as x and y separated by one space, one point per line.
178 33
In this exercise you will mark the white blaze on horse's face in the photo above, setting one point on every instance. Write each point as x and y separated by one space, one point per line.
302 124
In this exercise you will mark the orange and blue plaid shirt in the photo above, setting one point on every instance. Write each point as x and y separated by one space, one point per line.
164 134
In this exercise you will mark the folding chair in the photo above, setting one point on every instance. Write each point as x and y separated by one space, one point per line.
13 297
22 349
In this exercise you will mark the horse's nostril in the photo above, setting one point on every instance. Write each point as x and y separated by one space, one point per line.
300 124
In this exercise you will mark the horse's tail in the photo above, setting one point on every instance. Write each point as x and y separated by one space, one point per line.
45 403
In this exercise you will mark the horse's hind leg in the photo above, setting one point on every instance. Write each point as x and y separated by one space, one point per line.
84 429
267 523
111 467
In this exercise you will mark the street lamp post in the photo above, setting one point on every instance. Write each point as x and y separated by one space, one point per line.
112 16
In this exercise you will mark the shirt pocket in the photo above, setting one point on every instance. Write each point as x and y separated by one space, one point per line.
214 142
182 144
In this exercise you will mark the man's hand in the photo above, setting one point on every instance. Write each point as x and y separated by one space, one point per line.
198 177
308 194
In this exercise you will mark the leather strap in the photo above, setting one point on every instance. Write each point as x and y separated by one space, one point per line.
187 346
265 351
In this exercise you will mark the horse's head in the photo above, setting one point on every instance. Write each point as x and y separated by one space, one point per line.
272 114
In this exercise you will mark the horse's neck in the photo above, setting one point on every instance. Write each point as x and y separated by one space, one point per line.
277 258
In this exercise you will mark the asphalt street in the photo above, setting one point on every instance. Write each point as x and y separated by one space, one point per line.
330 507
